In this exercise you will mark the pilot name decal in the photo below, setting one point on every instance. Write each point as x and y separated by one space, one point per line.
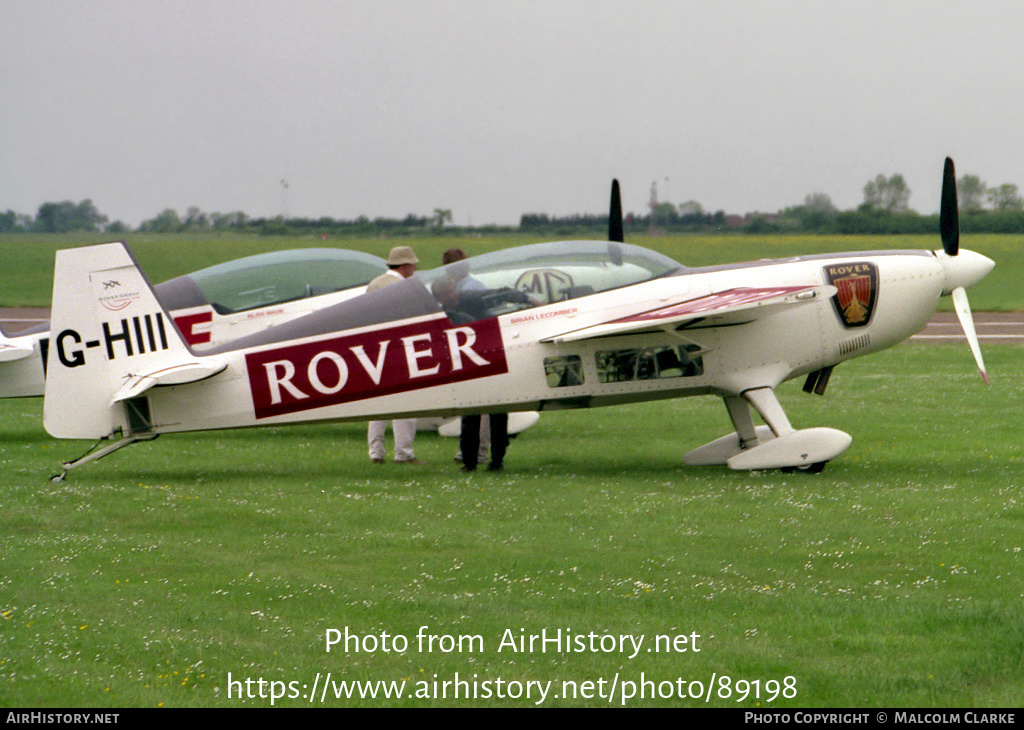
857 285
380 362
519 319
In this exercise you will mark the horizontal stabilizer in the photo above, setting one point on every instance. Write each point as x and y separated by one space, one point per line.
189 372
731 306
11 349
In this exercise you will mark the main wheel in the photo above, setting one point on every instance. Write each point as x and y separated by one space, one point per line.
815 468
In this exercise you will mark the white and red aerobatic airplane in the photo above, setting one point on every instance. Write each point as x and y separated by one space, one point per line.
541 327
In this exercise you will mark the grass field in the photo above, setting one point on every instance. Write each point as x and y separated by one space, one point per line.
29 258
893 579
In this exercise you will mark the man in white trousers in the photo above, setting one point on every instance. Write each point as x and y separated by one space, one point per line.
401 265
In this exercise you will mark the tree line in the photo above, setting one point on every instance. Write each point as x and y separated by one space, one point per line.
67 217
885 210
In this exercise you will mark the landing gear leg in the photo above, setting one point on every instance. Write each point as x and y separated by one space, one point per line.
742 421
774 446
766 404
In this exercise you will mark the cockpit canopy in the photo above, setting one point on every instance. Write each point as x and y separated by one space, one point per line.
271 278
494 284
544 273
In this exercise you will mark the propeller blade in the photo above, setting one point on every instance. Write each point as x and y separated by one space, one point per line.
615 231
949 215
963 312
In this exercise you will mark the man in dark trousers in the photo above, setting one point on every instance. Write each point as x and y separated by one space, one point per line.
455 290
469 441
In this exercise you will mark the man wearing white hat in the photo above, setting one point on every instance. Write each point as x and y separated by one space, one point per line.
401 265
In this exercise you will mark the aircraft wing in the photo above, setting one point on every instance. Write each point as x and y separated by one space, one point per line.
727 307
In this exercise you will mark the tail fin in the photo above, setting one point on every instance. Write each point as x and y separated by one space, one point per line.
109 333
21 364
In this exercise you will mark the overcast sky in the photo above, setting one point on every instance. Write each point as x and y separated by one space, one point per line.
493 109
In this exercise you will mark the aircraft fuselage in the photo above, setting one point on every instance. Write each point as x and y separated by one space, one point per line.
430 366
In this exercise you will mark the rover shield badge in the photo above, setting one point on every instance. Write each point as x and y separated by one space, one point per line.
857 285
